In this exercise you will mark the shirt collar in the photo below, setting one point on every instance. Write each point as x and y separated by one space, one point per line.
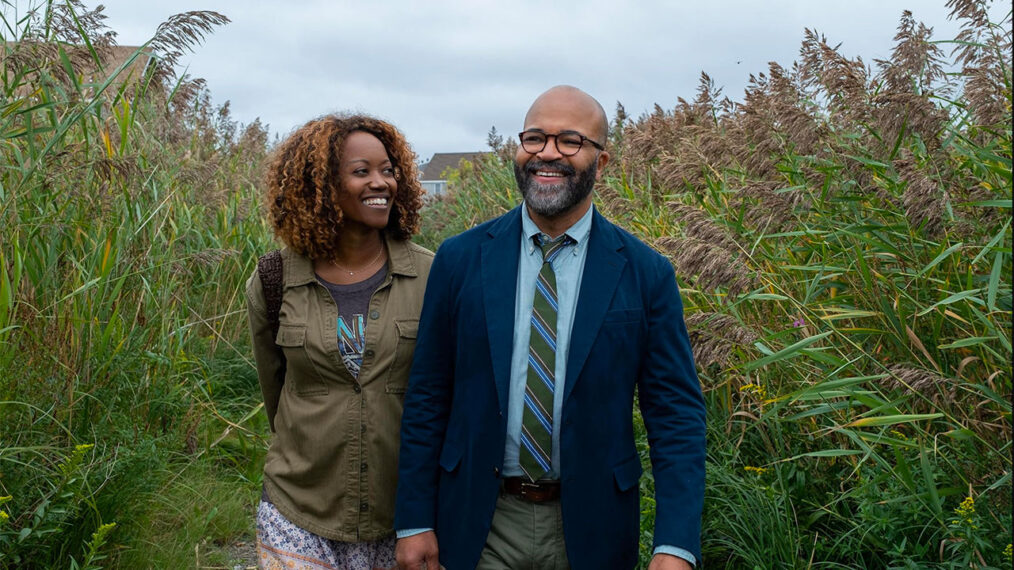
298 270
577 232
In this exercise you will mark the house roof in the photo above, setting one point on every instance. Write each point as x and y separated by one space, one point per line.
442 161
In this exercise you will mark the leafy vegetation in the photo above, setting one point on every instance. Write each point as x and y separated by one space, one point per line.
128 216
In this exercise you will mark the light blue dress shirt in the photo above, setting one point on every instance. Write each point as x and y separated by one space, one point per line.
568 267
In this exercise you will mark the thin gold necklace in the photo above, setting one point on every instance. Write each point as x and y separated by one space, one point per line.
367 266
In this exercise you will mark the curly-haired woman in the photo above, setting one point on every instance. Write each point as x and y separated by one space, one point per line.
344 198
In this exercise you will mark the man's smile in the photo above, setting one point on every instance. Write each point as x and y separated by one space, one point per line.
548 174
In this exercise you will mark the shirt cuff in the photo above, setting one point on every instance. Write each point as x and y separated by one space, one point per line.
675 551
410 532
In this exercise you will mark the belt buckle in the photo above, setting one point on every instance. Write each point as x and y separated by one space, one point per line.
529 487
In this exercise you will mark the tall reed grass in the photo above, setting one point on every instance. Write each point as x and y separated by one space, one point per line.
128 222
842 240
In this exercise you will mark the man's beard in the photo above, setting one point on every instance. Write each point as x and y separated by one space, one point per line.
552 201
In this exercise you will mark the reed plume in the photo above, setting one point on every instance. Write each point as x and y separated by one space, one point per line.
707 265
714 336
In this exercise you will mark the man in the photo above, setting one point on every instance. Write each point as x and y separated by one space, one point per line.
517 444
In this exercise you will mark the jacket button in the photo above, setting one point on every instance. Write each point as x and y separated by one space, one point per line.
362 467
496 471
363 507
368 353
357 388
374 314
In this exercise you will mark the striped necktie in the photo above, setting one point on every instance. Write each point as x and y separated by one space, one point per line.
537 420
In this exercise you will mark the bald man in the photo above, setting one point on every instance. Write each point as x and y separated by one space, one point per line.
517 440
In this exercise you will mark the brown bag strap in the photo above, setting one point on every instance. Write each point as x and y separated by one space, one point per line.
269 269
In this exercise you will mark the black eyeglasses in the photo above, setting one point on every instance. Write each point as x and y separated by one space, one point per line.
568 143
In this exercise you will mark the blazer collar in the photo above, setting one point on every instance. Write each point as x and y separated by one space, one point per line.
499 275
602 270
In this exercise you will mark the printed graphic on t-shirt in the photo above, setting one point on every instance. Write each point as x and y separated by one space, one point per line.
351 338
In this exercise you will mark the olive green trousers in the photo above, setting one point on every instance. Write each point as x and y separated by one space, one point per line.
525 536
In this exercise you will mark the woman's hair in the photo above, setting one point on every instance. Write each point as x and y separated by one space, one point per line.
303 184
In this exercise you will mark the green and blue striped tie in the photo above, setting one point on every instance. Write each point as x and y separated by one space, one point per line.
537 419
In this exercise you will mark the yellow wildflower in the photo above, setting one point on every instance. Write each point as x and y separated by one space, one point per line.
966 508
4 516
966 512
757 389
757 470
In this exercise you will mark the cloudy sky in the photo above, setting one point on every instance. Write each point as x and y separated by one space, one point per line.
445 71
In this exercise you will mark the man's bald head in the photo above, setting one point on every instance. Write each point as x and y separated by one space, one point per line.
557 181
569 99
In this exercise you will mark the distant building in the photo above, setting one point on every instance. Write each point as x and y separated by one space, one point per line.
432 177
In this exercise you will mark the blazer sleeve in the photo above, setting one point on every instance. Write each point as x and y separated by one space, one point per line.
673 410
267 355
427 401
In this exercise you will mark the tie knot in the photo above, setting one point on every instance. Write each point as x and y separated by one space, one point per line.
552 247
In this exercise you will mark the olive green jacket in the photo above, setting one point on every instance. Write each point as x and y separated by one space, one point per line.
333 461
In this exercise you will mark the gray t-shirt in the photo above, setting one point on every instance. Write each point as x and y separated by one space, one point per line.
353 303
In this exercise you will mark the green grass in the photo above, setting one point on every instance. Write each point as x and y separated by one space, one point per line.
130 221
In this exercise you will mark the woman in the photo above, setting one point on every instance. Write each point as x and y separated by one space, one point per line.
344 197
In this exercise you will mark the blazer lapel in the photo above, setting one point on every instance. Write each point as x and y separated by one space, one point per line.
499 272
602 269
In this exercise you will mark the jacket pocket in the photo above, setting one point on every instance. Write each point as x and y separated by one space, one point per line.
450 457
627 473
397 378
301 373
622 316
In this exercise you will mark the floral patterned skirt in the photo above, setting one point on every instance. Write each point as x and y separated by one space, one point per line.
283 545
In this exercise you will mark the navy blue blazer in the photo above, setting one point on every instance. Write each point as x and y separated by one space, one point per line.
628 332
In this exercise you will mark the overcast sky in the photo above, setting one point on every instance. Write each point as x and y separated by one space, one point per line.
444 72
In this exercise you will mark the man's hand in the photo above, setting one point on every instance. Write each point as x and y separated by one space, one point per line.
417 552
666 562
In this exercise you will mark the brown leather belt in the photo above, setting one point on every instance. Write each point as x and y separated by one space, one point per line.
537 492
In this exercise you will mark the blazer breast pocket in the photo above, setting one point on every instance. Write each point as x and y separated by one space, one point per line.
622 333
622 316
301 372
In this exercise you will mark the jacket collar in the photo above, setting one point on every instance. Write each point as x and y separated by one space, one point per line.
298 269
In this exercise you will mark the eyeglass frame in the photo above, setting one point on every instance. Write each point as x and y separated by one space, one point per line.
556 141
